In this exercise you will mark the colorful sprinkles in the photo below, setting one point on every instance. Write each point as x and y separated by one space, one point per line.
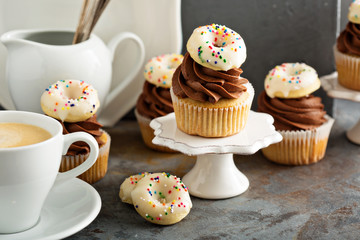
354 12
292 70
163 195
159 70
218 46
289 76
73 96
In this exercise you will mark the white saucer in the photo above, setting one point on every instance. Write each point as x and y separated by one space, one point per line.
68 209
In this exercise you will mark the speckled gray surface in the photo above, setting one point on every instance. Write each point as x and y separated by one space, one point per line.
320 201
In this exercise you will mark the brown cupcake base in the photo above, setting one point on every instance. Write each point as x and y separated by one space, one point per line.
295 152
148 134
224 118
300 147
348 68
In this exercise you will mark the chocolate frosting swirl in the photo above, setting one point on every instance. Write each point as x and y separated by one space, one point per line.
154 101
204 84
349 39
304 113
91 126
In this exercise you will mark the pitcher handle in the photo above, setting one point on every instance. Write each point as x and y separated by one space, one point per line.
113 44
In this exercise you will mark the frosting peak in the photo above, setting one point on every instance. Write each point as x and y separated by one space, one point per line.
91 126
154 101
349 39
304 113
203 84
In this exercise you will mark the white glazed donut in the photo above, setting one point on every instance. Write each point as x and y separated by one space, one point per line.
161 198
354 12
128 186
159 70
70 101
291 80
217 47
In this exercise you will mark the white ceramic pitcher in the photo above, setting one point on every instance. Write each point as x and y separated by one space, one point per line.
39 58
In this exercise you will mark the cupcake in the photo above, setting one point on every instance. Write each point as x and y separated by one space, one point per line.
347 50
74 104
298 115
210 98
155 100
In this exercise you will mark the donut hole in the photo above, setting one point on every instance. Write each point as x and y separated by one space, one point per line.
220 42
219 45
293 72
173 65
162 199
73 93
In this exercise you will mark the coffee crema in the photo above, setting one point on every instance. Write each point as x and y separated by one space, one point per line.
20 134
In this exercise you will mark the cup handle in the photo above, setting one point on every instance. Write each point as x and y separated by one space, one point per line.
113 44
94 152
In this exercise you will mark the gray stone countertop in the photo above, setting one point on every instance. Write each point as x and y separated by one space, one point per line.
319 201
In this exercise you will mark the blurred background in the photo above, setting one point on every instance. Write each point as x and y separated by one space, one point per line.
275 31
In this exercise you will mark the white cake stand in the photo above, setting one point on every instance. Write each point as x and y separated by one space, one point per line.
215 175
331 85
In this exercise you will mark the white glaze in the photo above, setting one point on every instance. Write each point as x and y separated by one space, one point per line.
354 12
70 98
129 185
152 189
289 76
159 70
217 47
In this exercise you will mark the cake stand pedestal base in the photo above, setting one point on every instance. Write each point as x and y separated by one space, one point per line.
215 176
331 85
353 134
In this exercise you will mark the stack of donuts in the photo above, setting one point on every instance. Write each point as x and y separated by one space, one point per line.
159 198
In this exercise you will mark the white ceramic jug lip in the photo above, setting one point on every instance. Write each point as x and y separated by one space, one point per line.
18 36
57 128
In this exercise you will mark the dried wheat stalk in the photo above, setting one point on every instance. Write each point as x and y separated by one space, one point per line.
90 14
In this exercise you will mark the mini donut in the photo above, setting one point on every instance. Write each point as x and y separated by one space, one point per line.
217 47
354 12
291 80
70 101
159 70
161 198
128 186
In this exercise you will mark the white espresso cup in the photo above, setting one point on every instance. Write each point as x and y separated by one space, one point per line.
27 173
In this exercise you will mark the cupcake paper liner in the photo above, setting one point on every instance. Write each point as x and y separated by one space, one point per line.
301 147
147 134
211 122
348 68
97 171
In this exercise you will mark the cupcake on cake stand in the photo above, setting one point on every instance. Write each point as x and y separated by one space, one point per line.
331 85
215 175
